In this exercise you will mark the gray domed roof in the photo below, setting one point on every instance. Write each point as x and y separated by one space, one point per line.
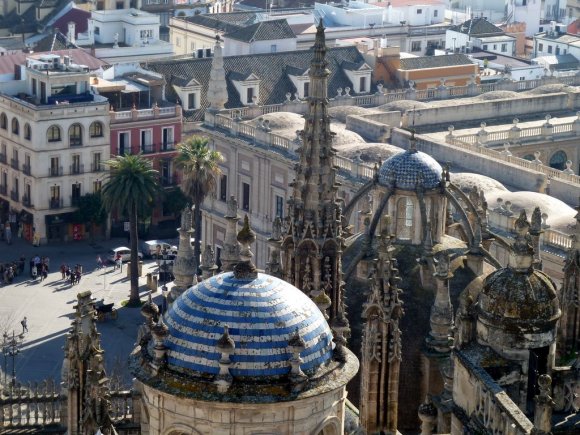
512 297
405 170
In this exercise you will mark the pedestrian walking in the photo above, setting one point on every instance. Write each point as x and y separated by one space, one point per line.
99 262
24 324
120 263
63 270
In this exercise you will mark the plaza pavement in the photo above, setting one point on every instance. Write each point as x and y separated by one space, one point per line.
48 306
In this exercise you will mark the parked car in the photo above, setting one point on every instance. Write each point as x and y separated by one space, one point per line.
125 254
155 248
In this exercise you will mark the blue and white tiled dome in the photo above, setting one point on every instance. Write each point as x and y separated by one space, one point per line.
262 315
404 168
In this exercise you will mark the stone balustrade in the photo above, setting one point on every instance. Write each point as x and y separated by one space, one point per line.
487 402
261 136
137 114
384 96
519 135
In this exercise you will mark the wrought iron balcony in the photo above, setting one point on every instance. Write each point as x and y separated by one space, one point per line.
75 200
14 195
14 163
26 169
55 203
27 202
171 180
3 190
167 146
77 169
148 149
3 158
97 167
54 171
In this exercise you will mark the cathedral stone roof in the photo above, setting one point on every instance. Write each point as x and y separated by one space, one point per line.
262 315
510 296
407 169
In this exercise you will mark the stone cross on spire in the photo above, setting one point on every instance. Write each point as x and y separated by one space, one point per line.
314 236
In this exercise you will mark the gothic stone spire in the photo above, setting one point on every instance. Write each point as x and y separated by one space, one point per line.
314 237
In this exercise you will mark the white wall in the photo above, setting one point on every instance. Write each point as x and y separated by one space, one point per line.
233 47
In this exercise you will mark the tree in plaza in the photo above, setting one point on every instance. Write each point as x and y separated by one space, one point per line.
90 210
131 188
200 167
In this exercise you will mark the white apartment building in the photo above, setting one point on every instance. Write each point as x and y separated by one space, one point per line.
54 136
123 35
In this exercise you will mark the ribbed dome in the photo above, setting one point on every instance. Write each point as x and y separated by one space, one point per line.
524 298
262 316
408 168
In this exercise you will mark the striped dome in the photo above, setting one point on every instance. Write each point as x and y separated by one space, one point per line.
262 315
406 169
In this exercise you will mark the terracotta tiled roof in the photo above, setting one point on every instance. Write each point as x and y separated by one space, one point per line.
478 27
77 16
270 68
263 31
434 61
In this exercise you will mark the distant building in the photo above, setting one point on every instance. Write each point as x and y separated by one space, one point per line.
479 33
263 37
124 35
54 137
555 41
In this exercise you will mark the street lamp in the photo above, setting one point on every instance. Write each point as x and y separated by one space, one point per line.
10 348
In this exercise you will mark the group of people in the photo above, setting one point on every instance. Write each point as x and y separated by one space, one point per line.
39 267
73 275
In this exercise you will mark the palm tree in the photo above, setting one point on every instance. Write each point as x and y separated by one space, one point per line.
200 168
131 187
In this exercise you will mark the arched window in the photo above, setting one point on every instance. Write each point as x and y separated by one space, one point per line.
3 121
15 126
53 133
96 129
405 212
558 160
27 131
75 135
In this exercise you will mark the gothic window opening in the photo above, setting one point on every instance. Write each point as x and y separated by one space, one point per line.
558 160
223 187
405 211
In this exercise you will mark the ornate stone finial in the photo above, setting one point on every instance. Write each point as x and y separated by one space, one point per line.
226 347
544 406
159 331
537 155
340 327
297 376
442 266
217 94
568 170
523 251
276 229
246 269
427 415
536 225
506 149
150 311
232 205
208 266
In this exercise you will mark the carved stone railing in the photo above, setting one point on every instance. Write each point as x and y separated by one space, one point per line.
262 137
490 404
32 406
518 135
384 96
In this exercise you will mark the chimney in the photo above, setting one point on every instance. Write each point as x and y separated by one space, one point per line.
71 35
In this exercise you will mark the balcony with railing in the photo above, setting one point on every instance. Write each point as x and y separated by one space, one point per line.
97 167
170 110
55 171
27 202
167 146
77 169
14 196
26 169
168 181
3 158
54 203
75 200
14 163
4 190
